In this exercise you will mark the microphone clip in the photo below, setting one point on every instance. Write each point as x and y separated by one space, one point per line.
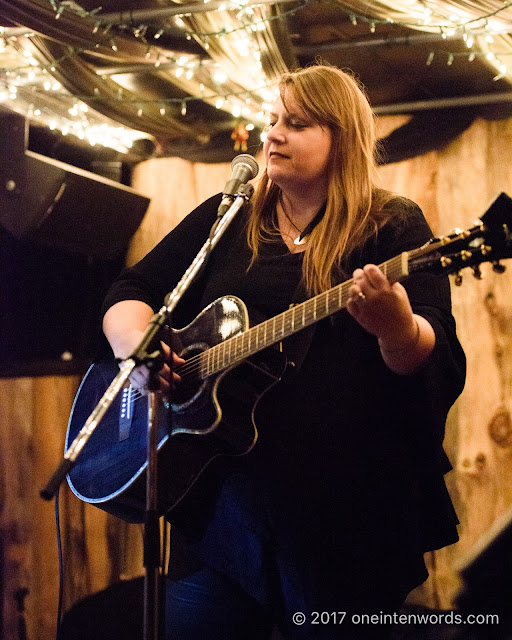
244 190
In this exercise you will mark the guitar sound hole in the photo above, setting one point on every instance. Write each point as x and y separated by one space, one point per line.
191 382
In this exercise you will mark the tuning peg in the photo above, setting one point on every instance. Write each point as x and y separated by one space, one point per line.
457 279
476 272
497 267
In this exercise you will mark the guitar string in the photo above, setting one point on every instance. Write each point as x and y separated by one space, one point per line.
310 310
340 291
193 365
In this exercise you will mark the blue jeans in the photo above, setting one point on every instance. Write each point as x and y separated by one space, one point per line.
208 606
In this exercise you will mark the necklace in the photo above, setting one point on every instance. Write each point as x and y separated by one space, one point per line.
303 236
299 239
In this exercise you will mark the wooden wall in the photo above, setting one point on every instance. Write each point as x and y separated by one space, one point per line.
453 186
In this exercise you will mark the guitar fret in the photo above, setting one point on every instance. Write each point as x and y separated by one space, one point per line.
258 335
325 305
239 347
244 343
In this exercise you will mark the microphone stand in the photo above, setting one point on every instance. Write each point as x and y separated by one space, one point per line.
153 359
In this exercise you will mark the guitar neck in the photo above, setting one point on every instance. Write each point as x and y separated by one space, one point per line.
267 333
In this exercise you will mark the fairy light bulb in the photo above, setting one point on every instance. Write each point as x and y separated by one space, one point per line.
220 77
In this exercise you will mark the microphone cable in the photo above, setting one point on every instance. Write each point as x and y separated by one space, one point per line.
58 634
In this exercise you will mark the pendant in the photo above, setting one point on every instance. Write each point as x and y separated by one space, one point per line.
300 240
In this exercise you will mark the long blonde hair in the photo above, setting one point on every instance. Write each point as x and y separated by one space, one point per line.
332 99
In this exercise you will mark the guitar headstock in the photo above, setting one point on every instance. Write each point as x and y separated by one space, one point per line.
490 240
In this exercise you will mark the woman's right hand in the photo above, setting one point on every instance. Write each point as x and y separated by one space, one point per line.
124 325
168 377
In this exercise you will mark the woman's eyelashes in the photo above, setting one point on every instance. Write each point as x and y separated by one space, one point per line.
292 124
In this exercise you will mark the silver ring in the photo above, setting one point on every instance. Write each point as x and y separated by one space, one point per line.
362 296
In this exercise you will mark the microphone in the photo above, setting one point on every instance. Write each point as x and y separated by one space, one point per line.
243 168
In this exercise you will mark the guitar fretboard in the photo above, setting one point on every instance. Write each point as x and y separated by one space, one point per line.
235 349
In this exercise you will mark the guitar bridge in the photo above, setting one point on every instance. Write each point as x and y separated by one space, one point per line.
126 413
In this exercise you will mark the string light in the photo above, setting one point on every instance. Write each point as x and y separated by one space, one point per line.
207 75
453 21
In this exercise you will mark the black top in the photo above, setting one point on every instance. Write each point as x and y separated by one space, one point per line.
349 457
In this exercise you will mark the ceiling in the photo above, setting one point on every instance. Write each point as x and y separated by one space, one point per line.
186 75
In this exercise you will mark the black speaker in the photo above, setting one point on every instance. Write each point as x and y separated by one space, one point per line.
63 238
53 203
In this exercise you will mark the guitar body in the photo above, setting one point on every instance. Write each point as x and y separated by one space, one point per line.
206 417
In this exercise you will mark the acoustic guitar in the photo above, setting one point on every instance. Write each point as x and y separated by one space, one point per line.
229 367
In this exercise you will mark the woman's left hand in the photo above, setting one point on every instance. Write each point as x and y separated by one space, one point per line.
380 307
405 339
